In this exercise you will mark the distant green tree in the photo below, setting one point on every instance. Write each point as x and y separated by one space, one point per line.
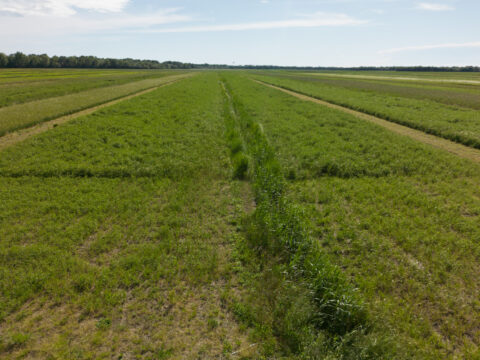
3 60
54 63
18 60
43 60
38 61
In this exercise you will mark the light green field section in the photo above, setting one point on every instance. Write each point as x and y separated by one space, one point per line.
60 82
24 115
132 261
453 122
437 77
218 218
32 75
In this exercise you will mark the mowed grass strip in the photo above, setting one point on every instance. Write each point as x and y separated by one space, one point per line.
135 264
32 75
457 77
452 122
15 137
24 115
399 217
24 91
126 140
462 95
460 150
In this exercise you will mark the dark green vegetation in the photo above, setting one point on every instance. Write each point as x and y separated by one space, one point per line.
449 111
305 300
399 218
220 218
20 60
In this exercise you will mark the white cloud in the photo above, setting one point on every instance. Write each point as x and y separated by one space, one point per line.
429 47
22 27
434 7
59 8
318 19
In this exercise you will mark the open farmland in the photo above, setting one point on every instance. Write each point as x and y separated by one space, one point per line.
38 104
217 217
448 111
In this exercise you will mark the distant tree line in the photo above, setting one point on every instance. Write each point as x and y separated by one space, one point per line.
21 60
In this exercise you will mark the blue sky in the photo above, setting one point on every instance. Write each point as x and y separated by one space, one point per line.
278 32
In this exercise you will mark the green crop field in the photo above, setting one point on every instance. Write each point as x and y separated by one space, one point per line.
47 101
447 112
15 90
218 218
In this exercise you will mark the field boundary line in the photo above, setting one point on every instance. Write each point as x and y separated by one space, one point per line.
375 77
458 149
15 137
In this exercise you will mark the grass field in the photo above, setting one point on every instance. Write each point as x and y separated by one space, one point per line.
18 116
465 77
448 112
219 218
111 256
62 82
399 217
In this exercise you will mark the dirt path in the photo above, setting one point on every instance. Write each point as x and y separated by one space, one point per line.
20 135
450 146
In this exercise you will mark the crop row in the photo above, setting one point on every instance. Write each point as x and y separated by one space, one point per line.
130 266
19 116
400 218
451 94
24 91
318 312
451 122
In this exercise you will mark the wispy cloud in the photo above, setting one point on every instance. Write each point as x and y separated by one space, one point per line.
430 47
434 7
61 8
15 26
318 19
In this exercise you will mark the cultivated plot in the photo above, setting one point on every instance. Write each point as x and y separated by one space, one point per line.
449 113
399 217
18 116
120 233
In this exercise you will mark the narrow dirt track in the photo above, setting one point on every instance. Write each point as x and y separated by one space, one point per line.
20 135
447 145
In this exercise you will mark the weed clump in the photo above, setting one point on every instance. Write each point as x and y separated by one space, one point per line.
240 166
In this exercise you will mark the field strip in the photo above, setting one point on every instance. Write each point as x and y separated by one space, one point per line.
450 146
374 77
21 116
17 136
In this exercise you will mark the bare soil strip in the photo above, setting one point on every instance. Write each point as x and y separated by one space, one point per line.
20 135
450 146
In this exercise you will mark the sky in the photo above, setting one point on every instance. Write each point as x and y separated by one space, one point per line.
275 32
